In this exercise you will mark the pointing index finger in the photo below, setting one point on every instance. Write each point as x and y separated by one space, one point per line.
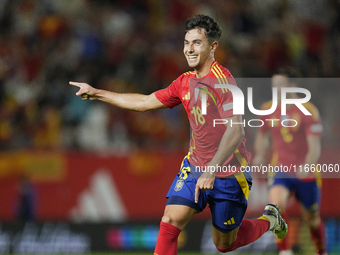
77 84
197 190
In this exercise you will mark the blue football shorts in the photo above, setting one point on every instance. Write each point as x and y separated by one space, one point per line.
227 200
308 193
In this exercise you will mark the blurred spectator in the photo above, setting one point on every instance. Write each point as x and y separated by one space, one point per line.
136 46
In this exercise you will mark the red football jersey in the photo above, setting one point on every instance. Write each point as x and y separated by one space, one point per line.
205 136
290 143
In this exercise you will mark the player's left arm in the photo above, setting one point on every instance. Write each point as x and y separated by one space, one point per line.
230 141
313 130
314 149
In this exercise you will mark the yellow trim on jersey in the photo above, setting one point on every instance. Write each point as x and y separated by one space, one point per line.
217 72
213 65
313 110
218 69
190 72
220 75
217 76
241 179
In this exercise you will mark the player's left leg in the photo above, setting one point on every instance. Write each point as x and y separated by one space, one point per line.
228 204
248 232
308 194
251 230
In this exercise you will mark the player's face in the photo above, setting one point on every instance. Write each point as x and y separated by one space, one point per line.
281 81
197 49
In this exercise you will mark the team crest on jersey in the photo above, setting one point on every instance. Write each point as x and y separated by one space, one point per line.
179 185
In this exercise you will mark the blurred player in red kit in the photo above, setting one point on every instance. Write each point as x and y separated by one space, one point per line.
226 192
297 145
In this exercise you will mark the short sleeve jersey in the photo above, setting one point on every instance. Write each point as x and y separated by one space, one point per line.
207 129
289 133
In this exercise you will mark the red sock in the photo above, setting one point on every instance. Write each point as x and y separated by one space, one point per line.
319 238
249 231
282 244
167 240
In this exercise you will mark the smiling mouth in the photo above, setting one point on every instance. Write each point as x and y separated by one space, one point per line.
192 57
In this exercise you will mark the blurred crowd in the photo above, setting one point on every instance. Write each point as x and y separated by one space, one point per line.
136 46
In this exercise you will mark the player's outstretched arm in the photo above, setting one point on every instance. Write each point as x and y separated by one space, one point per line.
262 147
132 102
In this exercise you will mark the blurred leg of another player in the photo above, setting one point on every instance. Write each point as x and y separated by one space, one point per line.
308 195
279 194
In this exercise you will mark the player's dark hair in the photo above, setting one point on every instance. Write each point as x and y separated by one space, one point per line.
291 73
211 29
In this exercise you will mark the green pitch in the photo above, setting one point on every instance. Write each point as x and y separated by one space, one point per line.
150 253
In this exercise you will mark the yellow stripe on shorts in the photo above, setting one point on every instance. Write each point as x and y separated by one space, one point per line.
241 179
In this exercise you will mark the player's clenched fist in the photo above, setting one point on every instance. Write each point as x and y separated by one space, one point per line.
86 91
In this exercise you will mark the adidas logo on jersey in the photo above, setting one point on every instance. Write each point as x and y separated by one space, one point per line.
187 96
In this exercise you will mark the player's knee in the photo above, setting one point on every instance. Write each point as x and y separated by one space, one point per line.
170 220
314 221
166 219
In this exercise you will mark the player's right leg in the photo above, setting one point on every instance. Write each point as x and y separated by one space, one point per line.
175 218
279 192
179 210
178 215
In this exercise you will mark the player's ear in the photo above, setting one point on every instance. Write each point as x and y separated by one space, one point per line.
214 46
